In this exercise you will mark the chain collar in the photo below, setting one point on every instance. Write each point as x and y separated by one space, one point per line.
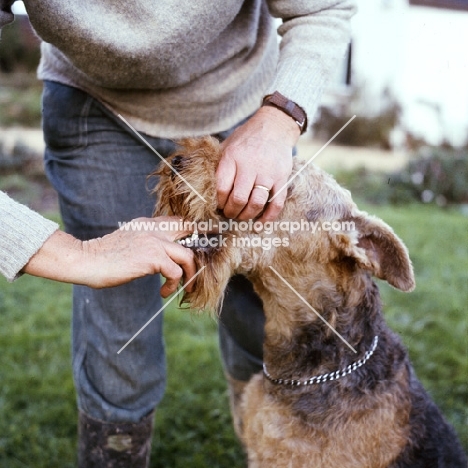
324 377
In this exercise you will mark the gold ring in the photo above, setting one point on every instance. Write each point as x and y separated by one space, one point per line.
261 187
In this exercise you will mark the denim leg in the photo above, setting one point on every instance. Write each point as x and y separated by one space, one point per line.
100 172
241 330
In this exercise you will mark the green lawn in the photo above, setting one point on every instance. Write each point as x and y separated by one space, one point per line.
193 429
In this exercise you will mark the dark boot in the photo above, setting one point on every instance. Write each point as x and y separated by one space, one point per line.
114 445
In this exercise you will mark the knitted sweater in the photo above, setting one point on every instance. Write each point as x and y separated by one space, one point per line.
22 233
178 68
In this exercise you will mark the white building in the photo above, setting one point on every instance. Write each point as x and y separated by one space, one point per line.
420 53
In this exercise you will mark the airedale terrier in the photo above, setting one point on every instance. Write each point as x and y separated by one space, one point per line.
337 389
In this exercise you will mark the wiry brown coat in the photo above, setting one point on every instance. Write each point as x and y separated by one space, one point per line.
378 416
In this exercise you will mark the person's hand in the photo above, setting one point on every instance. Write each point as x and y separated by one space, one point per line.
257 153
116 258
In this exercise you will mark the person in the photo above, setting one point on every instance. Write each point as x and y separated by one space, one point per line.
172 69
32 244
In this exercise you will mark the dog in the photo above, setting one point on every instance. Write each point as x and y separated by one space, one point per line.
337 389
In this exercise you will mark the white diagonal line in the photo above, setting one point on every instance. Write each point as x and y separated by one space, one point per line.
137 133
313 310
160 310
312 158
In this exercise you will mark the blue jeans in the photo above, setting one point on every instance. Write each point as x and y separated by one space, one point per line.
99 169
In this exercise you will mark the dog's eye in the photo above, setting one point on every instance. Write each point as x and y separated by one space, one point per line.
177 162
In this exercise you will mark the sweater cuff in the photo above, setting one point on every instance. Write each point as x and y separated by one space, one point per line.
22 234
305 89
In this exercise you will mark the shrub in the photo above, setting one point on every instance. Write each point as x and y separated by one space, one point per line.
21 105
435 175
369 128
19 47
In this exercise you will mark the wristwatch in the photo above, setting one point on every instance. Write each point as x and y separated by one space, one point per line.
288 107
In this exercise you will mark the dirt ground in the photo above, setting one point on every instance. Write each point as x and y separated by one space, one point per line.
333 158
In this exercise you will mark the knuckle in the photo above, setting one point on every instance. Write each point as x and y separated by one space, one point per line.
238 199
189 253
274 208
175 272
222 187
277 204
257 205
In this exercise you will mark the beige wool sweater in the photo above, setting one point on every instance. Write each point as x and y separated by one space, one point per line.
22 234
177 68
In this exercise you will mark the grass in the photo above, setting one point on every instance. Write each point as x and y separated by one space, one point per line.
193 428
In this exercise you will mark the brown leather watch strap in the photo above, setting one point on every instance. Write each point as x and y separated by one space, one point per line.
288 107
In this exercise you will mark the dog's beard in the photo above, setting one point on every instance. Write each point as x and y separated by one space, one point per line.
216 265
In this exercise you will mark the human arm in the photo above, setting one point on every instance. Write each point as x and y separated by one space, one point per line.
32 244
115 258
314 35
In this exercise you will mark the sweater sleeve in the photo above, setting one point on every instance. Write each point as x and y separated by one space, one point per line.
6 16
22 233
314 37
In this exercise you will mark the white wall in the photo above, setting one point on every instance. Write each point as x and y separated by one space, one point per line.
421 54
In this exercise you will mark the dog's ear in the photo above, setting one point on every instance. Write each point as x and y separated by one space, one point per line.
375 247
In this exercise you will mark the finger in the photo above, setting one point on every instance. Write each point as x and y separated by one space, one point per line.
225 176
185 259
274 207
257 201
173 273
240 194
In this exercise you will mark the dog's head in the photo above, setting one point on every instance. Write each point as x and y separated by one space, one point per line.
320 242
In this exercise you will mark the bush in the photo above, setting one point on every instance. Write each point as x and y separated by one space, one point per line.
434 175
364 184
19 47
20 91
20 104
369 128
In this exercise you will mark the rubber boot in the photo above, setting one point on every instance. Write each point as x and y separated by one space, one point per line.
114 445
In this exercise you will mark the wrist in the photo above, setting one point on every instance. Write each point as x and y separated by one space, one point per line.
282 126
60 259
288 107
